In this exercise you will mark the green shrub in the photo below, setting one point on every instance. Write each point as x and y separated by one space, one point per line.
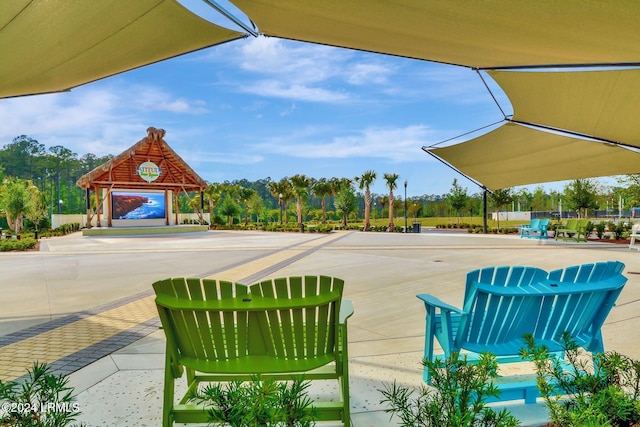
457 398
42 400
600 227
258 403
604 391
17 245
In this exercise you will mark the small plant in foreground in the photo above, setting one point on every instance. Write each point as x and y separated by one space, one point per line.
600 391
42 400
456 399
258 403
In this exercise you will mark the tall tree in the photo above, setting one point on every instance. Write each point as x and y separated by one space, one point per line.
212 196
499 199
15 201
321 189
364 182
582 195
22 156
391 179
457 198
61 159
300 186
345 201
37 207
631 188
413 207
229 209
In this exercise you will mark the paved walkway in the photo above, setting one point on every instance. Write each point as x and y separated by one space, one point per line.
84 304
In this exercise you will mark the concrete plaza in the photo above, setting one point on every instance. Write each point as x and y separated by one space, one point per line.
84 304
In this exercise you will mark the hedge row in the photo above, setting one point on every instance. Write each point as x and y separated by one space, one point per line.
17 245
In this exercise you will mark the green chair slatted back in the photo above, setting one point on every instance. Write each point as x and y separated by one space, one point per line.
195 322
303 331
284 328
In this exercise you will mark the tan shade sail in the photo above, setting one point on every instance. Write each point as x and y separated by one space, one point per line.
474 33
515 155
54 45
604 104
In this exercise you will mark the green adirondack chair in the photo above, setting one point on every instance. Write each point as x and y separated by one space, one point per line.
283 328
502 304
575 229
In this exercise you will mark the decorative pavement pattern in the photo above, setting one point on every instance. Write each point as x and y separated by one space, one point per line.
74 341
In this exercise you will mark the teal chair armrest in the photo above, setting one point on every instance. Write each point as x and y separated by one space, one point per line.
430 300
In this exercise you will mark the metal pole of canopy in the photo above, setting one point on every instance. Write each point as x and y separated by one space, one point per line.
484 209
233 18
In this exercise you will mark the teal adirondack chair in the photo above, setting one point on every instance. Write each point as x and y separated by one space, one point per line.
498 311
538 228
527 228
283 328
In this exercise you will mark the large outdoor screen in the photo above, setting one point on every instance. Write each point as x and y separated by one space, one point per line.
137 205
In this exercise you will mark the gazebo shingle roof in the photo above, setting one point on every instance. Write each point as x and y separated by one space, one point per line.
121 171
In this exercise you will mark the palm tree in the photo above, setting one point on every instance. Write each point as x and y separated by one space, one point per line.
364 182
345 201
244 196
281 190
300 185
322 189
391 179
384 201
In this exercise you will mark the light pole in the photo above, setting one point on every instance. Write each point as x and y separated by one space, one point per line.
405 206
59 206
280 204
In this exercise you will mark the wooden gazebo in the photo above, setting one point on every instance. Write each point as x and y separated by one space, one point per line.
150 167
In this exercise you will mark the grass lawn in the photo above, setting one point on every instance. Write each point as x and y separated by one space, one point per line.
434 221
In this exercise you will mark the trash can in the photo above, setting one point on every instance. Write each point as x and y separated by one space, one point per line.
416 227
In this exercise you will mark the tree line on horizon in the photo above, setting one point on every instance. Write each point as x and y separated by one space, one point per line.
54 172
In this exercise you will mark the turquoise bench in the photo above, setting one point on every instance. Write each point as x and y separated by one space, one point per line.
537 228
502 304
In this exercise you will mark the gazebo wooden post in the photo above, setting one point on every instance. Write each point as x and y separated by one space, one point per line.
110 216
176 206
166 203
98 206
88 206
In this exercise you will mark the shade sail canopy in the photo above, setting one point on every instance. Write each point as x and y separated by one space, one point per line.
54 45
490 33
603 104
515 155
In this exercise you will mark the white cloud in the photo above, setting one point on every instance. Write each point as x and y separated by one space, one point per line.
395 144
203 158
369 73
300 92
100 119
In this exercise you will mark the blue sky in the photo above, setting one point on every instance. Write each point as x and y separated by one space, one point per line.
265 107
